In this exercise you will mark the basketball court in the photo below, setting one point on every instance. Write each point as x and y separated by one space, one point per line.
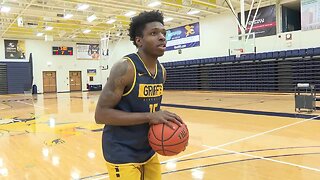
54 135
239 102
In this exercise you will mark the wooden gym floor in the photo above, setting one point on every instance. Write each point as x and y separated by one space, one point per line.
232 136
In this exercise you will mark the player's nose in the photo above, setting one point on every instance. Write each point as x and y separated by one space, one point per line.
162 37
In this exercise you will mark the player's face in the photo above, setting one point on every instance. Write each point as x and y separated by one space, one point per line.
154 41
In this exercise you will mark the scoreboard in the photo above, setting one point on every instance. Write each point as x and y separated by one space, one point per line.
62 50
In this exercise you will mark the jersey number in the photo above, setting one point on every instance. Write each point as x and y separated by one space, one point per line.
153 107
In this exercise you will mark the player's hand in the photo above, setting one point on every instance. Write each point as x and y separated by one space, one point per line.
164 117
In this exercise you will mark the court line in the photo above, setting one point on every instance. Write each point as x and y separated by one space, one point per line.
32 105
103 177
232 142
241 111
234 161
248 151
267 159
241 139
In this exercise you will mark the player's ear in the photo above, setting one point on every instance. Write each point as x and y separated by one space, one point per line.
138 41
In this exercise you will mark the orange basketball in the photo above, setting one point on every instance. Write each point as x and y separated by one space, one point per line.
166 141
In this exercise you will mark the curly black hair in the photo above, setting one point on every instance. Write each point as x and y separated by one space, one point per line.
139 22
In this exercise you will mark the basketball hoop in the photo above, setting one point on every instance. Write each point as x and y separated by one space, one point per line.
238 52
241 44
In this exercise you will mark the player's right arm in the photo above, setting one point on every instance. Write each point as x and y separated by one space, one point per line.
120 80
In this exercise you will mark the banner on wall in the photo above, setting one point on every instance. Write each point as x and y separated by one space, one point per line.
15 51
265 21
183 37
91 72
310 14
88 51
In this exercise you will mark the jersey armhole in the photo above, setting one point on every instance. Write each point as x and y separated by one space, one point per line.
134 77
162 73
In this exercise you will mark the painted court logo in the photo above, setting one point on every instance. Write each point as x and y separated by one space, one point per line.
54 142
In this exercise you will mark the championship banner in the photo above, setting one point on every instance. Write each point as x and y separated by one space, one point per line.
310 14
183 37
91 72
88 51
265 21
15 51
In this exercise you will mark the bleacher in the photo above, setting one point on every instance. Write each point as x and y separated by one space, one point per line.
267 71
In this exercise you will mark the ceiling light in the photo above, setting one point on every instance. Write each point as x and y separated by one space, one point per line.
86 31
130 13
167 19
48 38
5 9
39 34
92 18
48 28
20 22
154 4
110 21
62 33
68 16
82 7
193 12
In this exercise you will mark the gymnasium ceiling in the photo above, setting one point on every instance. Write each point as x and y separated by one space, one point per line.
49 17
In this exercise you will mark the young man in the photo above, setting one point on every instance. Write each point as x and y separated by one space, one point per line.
131 101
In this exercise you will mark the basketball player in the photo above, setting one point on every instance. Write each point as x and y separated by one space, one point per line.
131 101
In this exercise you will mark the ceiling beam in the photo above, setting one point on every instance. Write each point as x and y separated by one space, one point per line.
21 13
125 6
211 5
187 7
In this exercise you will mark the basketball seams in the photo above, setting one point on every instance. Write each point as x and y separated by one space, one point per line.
178 143
155 134
162 140
154 143
171 135
170 144
172 151
158 141
167 151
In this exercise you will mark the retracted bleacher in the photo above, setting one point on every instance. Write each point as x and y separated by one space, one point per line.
267 71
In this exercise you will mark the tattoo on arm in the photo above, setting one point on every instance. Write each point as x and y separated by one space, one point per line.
118 80
118 73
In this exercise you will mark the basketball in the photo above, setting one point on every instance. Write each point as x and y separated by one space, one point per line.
167 141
